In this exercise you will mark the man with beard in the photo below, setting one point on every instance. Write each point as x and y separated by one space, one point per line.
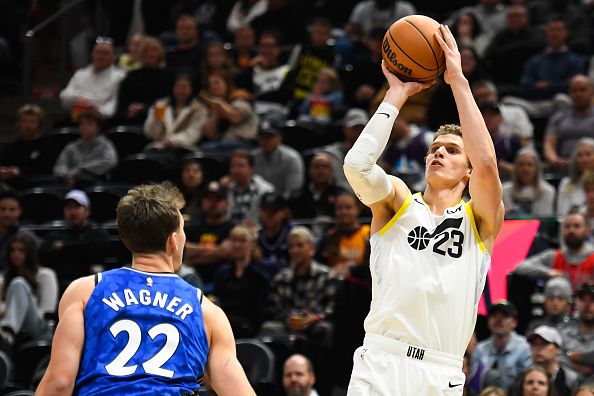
505 354
298 376
578 339
574 260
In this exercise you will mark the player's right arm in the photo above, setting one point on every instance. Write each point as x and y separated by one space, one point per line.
382 193
68 342
223 370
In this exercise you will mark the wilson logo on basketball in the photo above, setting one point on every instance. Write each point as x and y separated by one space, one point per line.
448 230
391 56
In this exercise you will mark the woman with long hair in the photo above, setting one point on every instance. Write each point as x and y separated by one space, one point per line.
570 192
528 193
534 382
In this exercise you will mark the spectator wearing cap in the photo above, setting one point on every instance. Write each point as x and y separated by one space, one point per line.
246 188
317 198
275 225
578 338
546 343
557 305
96 85
88 159
76 249
280 165
207 242
574 260
505 354
352 125
506 147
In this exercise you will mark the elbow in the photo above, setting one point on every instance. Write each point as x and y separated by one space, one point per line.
56 385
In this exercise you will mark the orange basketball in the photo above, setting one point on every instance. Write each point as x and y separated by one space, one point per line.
411 51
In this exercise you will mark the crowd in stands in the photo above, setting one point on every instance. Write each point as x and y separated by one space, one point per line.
249 107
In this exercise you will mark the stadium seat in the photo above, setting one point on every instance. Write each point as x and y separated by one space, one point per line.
138 169
27 358
258 362
41 205
20 392
127 139
58 139
5 370
104 201
303 135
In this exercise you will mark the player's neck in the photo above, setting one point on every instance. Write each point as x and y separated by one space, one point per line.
439 199
153 263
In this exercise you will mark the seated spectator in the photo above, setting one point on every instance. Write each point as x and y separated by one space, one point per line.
298 376
79 248
301 298
325 99
557 305
318 197
244 41
243 12
370 14
267 76
546 343
352 125
143 86
566 127
88 159
506 147
133 58
207 242
534 381
176 122
10 212
468 32
245 188
275 225
274 161
22 319
232 122
505 354
511 48
216 59
493 391
185 56
240 286
585 390
346 244
490 15
94 86
574 260
578 337
588 208
192 185
547 74
285 17
27 159
514 119
570 193
527 193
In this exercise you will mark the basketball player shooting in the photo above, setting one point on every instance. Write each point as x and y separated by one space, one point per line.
430 251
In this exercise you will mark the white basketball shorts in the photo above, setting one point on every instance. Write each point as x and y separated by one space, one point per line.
387 367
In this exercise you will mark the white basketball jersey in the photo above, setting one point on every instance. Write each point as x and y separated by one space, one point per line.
428 273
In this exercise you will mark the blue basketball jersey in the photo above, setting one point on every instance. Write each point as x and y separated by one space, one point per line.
144 335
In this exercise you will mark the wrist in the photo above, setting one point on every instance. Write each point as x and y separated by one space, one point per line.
396 98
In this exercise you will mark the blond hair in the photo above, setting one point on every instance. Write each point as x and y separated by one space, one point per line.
243 231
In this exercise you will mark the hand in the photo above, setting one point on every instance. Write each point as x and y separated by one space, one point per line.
257 61
134 109
166 143
400 91
555 273
81 101
446 40
8 172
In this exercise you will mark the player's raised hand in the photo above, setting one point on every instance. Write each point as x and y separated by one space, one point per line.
446 39
399 90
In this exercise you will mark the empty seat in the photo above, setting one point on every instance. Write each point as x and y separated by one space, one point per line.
139 169
127 139
58 139
103 203
41 205
214 166
258 362
27 358
303 135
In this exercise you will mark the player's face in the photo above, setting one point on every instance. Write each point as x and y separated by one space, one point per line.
535 384
543 352
446 162
300 250
297 380
555 306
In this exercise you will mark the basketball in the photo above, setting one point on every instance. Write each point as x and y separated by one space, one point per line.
411 51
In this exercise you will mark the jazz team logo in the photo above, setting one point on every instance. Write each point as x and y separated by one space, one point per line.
420 237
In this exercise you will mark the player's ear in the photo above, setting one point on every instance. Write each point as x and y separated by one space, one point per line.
172 245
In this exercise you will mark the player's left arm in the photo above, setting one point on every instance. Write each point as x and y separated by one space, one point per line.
223 370
68 342
485 185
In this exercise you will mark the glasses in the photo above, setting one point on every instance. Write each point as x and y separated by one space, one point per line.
104 40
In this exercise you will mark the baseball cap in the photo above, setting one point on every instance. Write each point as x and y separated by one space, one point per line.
547 333
270 127
215 187
273 201
79 197
355 117
503 306
489 105
558 287
585 288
